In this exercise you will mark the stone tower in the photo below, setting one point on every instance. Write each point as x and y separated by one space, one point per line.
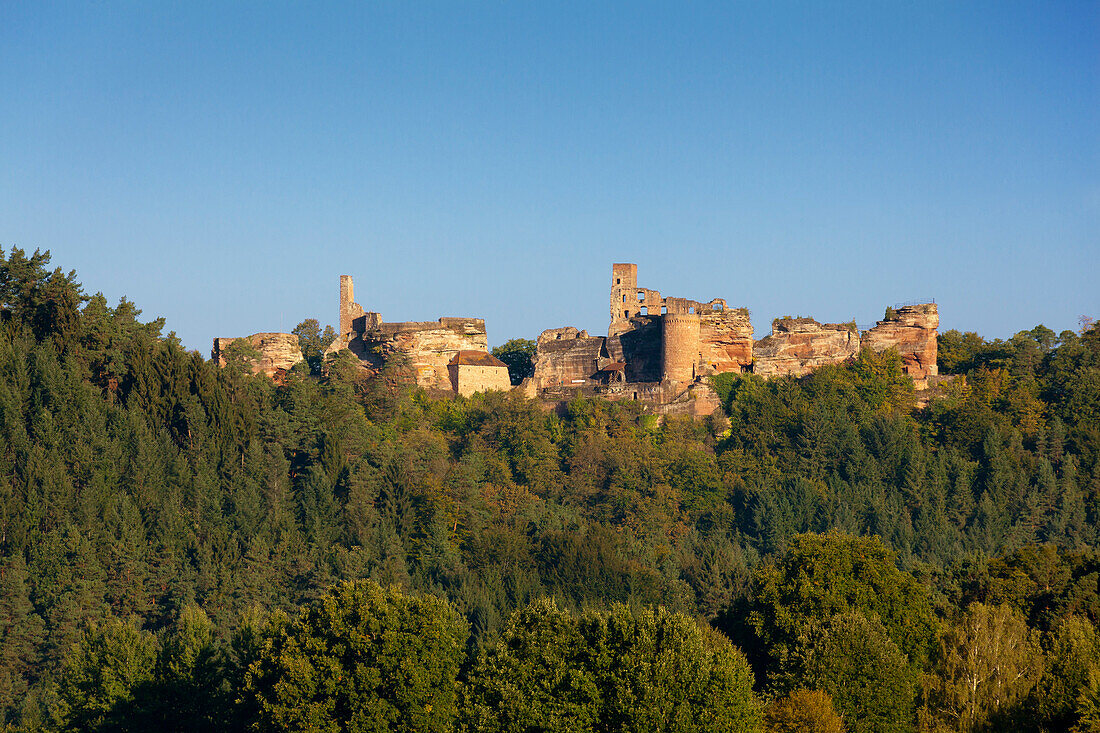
349 309
680 345
624 296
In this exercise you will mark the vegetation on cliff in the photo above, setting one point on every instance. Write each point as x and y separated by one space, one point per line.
188 547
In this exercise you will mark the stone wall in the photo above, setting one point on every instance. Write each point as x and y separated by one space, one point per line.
567 356
425 347
797 346
276 351
466 379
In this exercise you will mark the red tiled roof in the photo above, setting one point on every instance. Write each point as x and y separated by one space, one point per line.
477 358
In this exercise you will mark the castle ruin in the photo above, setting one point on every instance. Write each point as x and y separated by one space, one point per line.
658 350
437 352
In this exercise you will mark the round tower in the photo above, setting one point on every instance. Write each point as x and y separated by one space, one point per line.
680 346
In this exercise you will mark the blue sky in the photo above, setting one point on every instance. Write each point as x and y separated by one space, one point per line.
221 164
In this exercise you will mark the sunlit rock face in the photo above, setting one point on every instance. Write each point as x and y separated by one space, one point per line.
797 346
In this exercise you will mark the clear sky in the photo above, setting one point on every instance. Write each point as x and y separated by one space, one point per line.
221 164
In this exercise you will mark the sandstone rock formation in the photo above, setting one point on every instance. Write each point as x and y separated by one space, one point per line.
566 356
912 330
424 347
270 352
726 341
799 345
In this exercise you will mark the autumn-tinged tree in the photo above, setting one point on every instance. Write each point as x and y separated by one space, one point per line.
803 711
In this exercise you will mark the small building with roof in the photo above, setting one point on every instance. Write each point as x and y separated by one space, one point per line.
477 371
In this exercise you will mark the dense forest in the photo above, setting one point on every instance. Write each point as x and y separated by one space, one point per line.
187 547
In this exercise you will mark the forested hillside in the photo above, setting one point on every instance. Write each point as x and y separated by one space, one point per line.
184 547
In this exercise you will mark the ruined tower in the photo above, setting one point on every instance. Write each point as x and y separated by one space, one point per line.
624 296
679 346
349 309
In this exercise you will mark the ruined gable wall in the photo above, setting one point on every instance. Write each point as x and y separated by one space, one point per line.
350 311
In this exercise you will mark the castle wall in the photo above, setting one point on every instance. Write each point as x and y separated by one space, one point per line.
640 348
466 379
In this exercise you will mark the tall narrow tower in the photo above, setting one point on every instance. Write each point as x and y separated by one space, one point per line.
624 296
349 309
347 296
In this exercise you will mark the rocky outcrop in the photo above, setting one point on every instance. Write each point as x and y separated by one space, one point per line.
797 346
912 330
725 339
268 353
424 347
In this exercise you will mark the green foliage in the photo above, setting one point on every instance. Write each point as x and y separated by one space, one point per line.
648 670
519 355
104 669
361 658
144 483
871 683
823 576
314 342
